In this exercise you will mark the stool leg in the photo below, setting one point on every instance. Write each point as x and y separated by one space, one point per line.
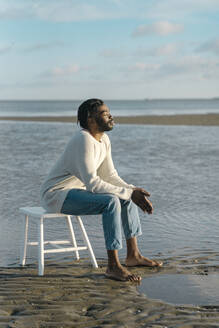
72 234
24 241
87 242
40 248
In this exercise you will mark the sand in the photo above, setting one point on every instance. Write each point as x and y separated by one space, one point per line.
73 294
197 119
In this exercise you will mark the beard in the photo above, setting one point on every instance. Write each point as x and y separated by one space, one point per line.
104 126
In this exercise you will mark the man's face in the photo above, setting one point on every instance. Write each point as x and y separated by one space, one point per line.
104 119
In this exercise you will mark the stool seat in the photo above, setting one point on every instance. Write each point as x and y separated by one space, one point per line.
41 214
39 211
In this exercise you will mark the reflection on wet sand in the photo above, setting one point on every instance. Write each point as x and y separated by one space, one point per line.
183 289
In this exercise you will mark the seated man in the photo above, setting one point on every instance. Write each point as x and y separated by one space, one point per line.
85 182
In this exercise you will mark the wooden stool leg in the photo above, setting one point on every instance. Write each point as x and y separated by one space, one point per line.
72 234
24 241
40 248
87 242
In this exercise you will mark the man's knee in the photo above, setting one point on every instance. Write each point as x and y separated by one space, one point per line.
113 201
128 202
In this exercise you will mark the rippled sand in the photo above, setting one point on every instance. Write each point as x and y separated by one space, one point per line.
193 119
72 294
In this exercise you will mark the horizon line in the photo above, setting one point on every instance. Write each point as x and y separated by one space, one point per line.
121 99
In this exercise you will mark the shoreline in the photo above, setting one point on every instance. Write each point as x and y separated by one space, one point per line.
185 119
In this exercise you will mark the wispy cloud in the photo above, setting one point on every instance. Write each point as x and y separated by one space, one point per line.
209 46
89 10
159 28
195 67
144 67
60 11
192 67
168 49
67 11
10 10
5 49
43 46
113 53
65 71
167 9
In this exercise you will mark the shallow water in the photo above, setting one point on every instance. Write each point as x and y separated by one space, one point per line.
177 164
183 289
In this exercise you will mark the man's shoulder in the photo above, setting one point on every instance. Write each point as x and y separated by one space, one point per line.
80 135
85 135
77 139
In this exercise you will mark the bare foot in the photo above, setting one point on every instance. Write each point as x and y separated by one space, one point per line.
142 261
120 273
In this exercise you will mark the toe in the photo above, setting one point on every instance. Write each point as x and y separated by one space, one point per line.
159 264
130 277
136 277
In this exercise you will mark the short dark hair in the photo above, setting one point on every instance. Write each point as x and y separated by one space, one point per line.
86 109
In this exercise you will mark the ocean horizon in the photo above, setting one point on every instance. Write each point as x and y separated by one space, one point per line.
147 106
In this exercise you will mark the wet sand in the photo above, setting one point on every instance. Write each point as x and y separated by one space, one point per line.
197 119
73 294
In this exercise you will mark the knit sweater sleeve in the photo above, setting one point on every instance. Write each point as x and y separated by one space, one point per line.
87 172
108 172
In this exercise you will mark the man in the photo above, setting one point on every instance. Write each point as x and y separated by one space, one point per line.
85 182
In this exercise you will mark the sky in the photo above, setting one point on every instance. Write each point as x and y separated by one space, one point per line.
109 49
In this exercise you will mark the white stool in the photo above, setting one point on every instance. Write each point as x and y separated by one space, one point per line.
40 214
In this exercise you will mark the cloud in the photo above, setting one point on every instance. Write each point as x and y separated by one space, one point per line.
113 53
194 67
89 10
189 67
209 46
121 53
11 10
67 11
61 11
143 67
162 28
43 46
164 50
166 9
65 71
5 49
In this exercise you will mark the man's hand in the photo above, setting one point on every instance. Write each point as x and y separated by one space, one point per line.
140 199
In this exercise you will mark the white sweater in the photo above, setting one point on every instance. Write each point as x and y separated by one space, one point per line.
85 164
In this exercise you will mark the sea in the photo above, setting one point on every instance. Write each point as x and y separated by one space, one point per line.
117 107
178 165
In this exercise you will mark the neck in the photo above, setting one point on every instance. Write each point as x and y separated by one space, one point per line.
96 133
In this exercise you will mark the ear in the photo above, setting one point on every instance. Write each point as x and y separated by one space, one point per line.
90 120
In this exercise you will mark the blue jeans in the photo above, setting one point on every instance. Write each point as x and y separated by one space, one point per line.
115 212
